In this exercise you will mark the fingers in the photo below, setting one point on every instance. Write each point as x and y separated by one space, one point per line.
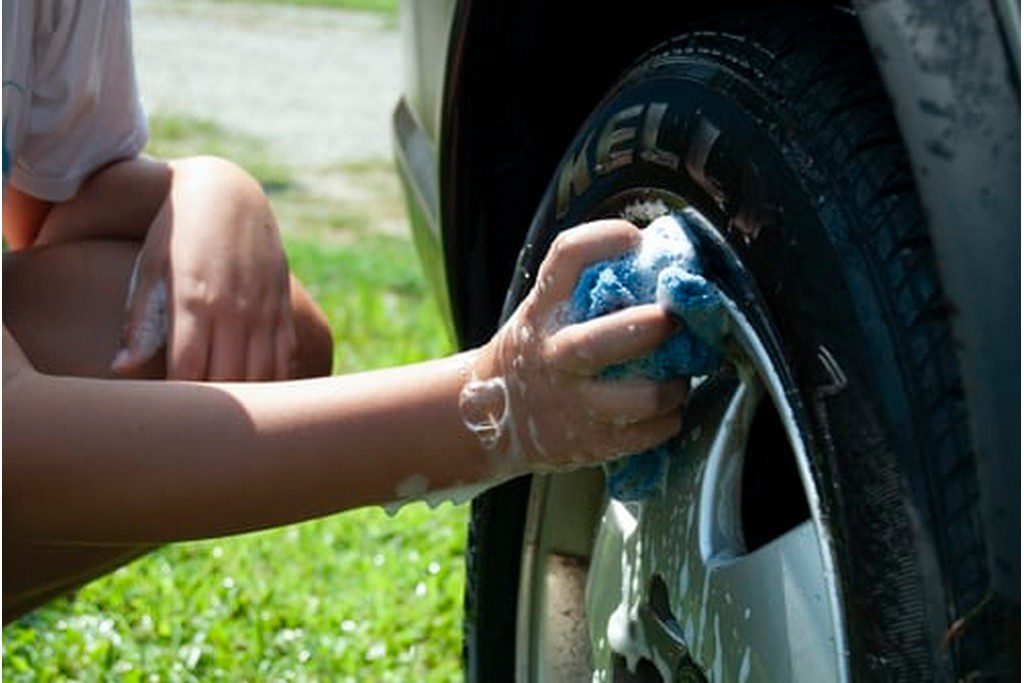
261 353
285 338
188 347
643 436
229 349
285 344
260 358
588 347
575 249
271 346
629 401
228 352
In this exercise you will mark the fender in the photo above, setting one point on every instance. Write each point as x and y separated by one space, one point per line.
952 70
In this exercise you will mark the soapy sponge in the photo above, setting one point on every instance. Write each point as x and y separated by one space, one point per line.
664 269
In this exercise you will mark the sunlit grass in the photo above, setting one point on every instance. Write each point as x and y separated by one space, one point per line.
179 136
358 596
388 7
372 291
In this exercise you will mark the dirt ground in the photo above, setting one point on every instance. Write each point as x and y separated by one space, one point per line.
317 85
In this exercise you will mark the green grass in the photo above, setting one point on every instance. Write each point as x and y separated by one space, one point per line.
359 596
388 7
179 136
374 295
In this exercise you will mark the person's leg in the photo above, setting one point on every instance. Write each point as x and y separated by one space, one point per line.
65 306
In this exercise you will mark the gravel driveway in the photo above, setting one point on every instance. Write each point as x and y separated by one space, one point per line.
317 85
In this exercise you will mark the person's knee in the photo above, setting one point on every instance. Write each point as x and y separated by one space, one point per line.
225 179
217 187
65 306
234 186
314 354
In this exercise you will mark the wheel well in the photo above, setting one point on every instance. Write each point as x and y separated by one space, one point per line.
522 78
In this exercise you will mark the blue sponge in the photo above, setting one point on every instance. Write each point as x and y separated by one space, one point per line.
664 269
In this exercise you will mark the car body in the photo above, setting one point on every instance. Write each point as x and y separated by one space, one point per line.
494 92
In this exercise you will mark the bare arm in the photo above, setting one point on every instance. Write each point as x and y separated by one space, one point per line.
212 279
104 461
136 461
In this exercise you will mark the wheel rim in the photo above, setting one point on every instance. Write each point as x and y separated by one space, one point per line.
684 585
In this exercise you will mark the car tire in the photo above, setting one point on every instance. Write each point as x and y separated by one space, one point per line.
776 128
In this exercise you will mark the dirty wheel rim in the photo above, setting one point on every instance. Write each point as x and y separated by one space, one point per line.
689 583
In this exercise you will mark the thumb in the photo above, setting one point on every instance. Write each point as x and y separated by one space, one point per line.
145 330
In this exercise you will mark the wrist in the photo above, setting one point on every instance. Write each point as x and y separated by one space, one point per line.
483 362
484 404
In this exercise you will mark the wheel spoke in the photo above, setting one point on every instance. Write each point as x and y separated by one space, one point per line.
683 585
767 613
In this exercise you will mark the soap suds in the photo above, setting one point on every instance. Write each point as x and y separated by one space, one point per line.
414 490
625 637
149 334
665 269
412 487
483 405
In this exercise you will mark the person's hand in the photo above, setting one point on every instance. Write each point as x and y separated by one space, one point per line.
534 390
211 281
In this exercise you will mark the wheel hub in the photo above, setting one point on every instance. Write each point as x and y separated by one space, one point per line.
674 588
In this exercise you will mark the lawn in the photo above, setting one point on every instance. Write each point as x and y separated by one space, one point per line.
358 596
387 7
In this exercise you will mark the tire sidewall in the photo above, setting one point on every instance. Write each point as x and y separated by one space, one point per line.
725 143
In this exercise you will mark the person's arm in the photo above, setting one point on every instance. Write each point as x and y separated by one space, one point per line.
135 461
212 279
143 462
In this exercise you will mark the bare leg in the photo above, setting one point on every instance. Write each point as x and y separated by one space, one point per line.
65 306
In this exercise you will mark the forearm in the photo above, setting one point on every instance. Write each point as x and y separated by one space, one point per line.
154 462
146 462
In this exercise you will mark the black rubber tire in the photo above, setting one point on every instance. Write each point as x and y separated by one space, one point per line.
808 172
